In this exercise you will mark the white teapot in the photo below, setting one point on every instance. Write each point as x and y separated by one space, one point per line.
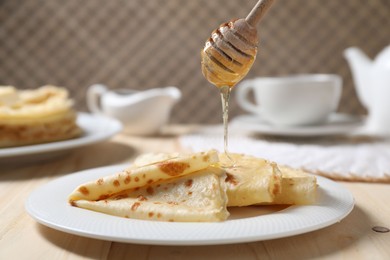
372 83
141 112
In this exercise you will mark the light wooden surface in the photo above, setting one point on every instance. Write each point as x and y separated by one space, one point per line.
23 238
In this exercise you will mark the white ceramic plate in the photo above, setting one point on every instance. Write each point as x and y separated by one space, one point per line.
95 128
336 124
48 205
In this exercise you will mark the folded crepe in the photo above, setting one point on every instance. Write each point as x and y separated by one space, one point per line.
197 197
195 187
250 180
184 188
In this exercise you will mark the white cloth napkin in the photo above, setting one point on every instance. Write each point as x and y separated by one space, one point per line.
340 158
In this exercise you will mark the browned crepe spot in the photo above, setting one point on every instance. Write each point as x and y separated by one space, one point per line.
142 198
120 196
135 206
84 190
188 183
173 168
277 189
150 190
127 179
103 196
230 178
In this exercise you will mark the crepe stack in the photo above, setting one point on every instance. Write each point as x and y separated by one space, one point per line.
36 116
197 187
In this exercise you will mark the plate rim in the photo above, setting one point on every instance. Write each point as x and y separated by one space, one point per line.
88 137
88 231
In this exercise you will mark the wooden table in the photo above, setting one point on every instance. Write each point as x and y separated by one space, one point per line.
23 238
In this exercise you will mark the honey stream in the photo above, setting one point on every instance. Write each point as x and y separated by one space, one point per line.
225 96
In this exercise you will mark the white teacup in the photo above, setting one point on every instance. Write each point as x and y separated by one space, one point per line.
292 100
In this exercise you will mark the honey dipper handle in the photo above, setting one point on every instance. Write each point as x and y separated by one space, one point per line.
258 12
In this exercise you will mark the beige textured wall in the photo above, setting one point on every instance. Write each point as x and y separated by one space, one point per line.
151 43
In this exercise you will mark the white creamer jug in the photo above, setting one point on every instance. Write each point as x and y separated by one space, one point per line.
141 112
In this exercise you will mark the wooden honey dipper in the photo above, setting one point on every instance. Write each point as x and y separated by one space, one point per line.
231 50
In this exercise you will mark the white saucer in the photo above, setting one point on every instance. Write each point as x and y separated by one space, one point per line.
336 124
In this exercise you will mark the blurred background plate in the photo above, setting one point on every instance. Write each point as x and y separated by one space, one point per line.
96 129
